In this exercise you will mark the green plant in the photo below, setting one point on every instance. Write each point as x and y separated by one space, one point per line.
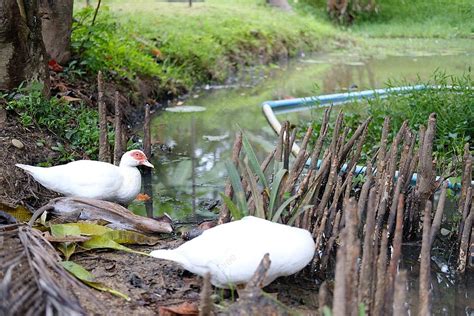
270 200
450 97
76 124
109 46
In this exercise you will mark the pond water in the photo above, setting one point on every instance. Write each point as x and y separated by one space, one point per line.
196 144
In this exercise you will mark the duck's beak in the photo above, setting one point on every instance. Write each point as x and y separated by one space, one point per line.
146 163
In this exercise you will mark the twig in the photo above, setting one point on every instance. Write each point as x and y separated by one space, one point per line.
95 12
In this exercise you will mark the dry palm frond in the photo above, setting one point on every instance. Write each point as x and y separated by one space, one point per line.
31 281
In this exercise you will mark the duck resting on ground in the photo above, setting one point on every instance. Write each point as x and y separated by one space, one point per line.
231 252
94 179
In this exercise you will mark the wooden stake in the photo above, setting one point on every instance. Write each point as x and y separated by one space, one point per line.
104 154
425 265
118 149
439 213
147 132
400 295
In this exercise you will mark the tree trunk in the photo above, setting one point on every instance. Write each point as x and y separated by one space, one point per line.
56 16
22 53
282 4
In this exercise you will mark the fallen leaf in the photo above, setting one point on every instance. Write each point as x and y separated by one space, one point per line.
70 99
102 241
61 87
54 66
88 278
156 52
142 197
129 237
185 308
20 212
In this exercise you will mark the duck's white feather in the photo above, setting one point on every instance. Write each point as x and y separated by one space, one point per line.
231 252
91 179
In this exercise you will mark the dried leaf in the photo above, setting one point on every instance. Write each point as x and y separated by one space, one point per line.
20 212
142 197
129 237
185 308
70 99
68 238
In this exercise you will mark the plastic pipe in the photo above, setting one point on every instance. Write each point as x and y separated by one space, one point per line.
337 98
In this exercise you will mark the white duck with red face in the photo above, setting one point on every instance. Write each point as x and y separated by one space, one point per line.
94 179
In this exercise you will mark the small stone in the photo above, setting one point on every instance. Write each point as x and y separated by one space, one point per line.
445 232
17 143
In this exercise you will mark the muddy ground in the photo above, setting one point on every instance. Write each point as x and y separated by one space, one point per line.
152 284
19 144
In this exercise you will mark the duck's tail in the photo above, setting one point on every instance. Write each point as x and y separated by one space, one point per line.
29 169
171 255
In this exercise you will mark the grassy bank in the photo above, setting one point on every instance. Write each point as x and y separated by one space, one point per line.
451 101
401 18
182 46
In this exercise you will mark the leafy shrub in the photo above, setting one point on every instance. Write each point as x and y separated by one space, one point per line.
78 125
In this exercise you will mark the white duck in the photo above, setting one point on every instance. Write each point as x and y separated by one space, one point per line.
231 252
94 179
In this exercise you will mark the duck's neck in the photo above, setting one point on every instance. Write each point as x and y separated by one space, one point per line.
131 184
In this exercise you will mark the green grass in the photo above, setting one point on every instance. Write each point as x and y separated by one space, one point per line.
173 42
404 18
452 103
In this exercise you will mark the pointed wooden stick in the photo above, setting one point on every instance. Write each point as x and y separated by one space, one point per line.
424 295
439 213
104 154
400 295
118 149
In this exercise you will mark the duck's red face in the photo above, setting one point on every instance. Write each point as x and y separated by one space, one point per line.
141 158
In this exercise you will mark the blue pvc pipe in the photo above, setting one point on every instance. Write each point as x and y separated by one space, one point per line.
340 98
329 99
